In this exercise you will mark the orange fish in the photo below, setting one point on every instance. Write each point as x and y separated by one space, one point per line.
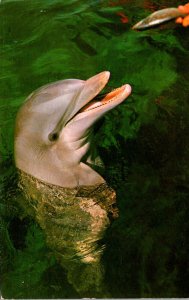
124 18
185 10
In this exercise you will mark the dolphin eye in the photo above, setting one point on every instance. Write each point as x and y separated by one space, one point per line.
53 136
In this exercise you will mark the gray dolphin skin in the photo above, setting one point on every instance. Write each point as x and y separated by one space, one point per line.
70 201
158 17
52 130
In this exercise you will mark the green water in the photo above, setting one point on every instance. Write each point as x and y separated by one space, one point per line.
143 142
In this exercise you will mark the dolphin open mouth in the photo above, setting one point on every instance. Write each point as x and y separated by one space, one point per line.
106 98
93 101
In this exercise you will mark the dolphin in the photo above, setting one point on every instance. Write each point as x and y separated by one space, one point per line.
53 129
71 202
158 17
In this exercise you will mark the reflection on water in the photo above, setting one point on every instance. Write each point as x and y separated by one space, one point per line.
147 247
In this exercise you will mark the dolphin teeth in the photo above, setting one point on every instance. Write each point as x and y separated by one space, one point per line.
91 105
107 98
113 95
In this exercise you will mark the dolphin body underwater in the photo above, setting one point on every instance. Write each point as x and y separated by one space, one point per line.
70 201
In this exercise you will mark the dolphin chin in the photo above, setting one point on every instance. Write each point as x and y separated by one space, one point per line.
70 201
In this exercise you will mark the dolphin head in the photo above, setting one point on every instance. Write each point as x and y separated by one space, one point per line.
53 127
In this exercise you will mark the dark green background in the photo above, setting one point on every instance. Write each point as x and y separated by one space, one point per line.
143 142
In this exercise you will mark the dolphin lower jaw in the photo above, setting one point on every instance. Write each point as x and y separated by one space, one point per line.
76 131
79 126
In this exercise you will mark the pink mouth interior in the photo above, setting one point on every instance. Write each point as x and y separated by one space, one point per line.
112 96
